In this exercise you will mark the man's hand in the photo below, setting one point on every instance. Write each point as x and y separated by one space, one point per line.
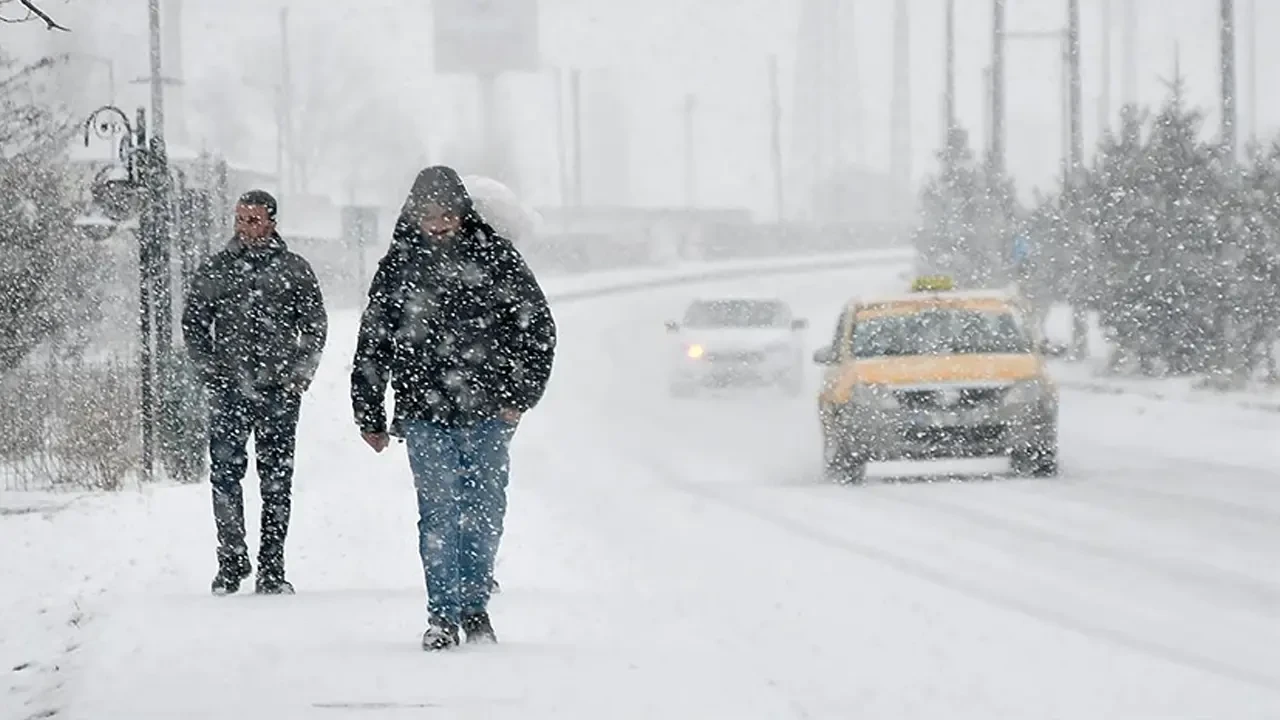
377 441
510 416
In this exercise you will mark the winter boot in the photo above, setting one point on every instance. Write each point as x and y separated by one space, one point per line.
270 580
231 572
440 635
479 628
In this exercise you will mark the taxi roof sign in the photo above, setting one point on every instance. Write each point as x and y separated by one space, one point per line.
932 283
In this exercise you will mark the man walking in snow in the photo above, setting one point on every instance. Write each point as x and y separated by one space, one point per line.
459 327
254 326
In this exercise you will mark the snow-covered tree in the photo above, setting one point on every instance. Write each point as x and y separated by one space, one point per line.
17 11
1167 214
46 287
1121 212
967 218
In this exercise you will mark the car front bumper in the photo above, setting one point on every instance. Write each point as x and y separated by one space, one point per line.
725 369
901 434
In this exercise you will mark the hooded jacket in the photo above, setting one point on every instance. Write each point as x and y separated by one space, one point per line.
255 318
458 326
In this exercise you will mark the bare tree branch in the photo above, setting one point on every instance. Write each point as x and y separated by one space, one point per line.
34 13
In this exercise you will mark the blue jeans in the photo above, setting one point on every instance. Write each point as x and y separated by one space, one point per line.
461 475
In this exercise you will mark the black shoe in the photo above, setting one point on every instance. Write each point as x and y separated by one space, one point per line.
230 574
272 585
479 628
440 635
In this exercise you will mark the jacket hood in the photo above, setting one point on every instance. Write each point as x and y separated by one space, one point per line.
440 185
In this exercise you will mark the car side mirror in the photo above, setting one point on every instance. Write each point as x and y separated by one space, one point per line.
799 324
672 325
824 356
1052 349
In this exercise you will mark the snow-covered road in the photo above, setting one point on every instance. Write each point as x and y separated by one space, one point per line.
683 559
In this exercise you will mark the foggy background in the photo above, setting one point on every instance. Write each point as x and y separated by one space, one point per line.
370 110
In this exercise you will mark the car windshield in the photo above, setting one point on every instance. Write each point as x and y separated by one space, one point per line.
940 331
735 313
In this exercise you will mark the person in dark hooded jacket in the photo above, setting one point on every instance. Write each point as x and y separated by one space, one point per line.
457 324
254 326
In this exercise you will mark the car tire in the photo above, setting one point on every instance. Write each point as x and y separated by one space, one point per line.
1039 459
840 465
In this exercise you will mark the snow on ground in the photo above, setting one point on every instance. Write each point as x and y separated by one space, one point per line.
683 558
1092 376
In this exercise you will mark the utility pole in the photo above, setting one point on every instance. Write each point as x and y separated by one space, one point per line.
949 90
562 141
157 78
988 110
1227 48
161 229
775 138
575 105
1079 311
996 155
1129 41
850 87
1104 98
1252 71
900 113
155 263
690 165
287 149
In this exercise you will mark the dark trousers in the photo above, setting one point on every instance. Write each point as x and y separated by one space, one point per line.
271 416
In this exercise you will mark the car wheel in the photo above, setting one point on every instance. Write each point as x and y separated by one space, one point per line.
840 465
1039 459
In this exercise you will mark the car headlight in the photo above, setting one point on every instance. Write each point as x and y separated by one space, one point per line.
695 351
1025 392
873 396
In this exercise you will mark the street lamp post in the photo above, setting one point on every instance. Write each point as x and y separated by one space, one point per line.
141 191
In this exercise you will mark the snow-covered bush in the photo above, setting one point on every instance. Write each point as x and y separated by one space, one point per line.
65 421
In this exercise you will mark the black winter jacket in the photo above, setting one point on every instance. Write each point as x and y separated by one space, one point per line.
255 318
460 328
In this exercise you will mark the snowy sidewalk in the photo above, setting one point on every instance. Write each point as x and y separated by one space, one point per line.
1090 376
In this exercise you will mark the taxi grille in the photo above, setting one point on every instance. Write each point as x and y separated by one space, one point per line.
951 436
939 399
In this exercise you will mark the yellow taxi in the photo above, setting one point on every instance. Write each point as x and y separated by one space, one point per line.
936 373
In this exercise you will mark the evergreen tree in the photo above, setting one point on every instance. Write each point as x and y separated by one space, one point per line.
1190 195
968 216
1121 215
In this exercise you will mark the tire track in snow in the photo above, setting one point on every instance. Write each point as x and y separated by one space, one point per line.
1246 589
971 587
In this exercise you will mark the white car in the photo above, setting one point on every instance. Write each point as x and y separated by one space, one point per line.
737 341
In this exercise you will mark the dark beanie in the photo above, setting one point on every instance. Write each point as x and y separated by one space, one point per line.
439 185
260 198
